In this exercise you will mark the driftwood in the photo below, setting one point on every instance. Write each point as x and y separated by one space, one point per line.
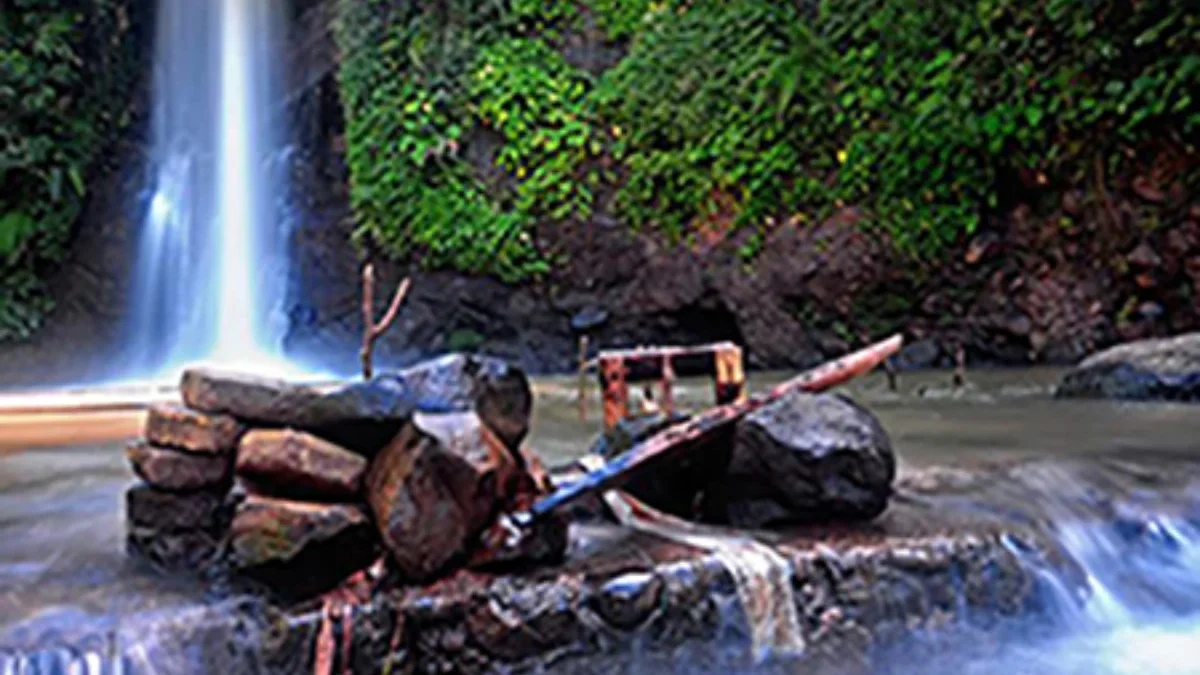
669 443
372 329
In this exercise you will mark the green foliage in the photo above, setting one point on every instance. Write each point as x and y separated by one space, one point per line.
404 86
65 70
685 116
744 112
525 91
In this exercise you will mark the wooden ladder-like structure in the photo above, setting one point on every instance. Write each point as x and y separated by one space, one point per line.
617 369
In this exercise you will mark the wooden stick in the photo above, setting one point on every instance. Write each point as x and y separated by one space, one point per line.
583 378
671 442
373 329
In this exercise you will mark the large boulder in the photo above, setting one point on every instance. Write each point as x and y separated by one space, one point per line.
805 458
299 548
298 464
175 426
434 489
177 470
1146 370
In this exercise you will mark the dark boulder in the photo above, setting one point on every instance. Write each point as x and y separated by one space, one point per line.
806 458
435 488
178 531
1146 370
294 463
300 548
683 488
497 391
146 507
174 426
177 470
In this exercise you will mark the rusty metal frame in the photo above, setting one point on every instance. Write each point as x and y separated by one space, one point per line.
615 366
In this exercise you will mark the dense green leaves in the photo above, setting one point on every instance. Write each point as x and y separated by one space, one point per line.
65 71
468 126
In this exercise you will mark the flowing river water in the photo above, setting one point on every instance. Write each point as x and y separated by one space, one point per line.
66 585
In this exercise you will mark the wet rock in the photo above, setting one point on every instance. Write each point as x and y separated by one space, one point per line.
589 318
175 426
503 550
497 391
294 463
151 509
360 416
1145 370
807 458
176 470
681 490
434 488
627 601
184 550
298 547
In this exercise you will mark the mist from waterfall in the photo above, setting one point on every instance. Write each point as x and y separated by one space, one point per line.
211 271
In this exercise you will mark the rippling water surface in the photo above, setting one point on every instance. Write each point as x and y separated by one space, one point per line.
65 580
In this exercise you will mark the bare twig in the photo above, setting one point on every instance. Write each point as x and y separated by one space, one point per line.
373 329
960 367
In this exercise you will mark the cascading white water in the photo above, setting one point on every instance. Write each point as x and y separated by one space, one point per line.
211 268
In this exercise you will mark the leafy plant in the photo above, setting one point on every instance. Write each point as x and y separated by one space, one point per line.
66 70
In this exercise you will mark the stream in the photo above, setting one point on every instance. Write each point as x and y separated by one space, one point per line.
69 593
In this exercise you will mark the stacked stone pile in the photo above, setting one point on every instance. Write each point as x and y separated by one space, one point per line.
301 486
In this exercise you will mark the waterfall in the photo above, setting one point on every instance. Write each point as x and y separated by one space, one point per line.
210 275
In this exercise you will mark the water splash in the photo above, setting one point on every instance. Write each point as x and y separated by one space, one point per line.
210 276
761 575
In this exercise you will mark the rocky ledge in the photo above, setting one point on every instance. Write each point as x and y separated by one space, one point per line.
1146 370
958 547
354 529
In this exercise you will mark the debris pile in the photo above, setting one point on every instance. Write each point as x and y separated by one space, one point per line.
301 486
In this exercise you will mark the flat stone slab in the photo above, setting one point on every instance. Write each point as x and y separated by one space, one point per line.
295 463
177 470
1145 370
178 427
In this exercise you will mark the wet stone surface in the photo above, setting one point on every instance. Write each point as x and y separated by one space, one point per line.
175 426
299 464
299 548
176 470
1146 370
